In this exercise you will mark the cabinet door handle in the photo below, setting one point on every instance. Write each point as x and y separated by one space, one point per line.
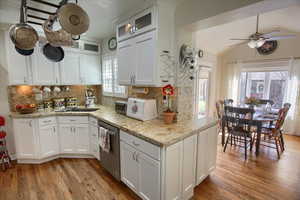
54 129
47 121
137 157
56 80
133 155
30 123
25 79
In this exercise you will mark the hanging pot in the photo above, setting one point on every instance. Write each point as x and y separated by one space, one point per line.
59 37
55 54
73 19
23 35
24 52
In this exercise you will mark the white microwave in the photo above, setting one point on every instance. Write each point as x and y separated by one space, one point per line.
142 109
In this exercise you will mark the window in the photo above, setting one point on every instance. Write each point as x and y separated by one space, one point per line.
202 87
109 73
264 85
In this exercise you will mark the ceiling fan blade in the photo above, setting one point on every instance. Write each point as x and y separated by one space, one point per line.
270 34
280 37
240 39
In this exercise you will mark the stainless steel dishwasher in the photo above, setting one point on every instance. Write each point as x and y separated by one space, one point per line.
111 160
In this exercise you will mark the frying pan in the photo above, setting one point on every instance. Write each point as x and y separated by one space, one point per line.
55 54
21 34
24 52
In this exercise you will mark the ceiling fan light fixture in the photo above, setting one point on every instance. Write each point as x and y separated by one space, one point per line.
260 42
252 44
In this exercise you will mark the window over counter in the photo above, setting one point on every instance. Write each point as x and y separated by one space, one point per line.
270 85
202 92
110 86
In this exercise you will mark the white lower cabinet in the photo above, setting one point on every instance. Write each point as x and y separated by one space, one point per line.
140 172
207 153
129 167
74 138
49 145
26 138
94 138
67 138
82 144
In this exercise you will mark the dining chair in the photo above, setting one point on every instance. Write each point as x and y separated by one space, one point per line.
274 134
228 102
239 123
220 111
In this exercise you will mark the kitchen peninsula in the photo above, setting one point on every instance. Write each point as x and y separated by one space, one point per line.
151 152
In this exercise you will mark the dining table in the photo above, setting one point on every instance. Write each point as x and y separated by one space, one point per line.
260 118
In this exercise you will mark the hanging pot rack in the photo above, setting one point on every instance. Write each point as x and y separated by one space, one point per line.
34 16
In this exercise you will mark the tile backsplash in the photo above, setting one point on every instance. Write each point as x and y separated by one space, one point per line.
24 94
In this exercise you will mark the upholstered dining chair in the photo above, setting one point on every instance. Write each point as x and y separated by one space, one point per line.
239 123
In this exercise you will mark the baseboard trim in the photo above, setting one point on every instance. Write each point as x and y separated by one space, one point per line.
40 161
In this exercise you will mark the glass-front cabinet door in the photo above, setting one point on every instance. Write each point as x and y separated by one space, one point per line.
125 30
144 21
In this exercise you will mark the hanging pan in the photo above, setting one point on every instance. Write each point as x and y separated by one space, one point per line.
73 19
24 52
56 37
23 35
55 54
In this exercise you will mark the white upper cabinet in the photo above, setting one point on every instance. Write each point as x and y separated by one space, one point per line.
44 71
142 40
18 65
145 21
145 73
80 66
90 69
142 22
70 69
126 62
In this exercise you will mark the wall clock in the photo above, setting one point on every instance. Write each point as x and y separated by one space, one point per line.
268 47
112 43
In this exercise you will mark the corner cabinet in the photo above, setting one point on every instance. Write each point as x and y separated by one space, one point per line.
141 42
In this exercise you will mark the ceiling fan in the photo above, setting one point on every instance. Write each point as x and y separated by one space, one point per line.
257 39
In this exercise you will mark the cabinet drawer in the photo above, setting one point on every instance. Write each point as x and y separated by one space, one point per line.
47 121
74 119
93 121
143 146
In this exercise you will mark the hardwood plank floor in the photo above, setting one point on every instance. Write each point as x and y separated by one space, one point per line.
84 179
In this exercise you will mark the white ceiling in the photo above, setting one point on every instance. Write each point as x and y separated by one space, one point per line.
216 39
103 13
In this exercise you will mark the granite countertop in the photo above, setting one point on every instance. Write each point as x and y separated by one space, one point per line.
153 131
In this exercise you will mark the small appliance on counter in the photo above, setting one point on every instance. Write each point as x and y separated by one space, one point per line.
90 98
121 107
71 102
59 104
141 109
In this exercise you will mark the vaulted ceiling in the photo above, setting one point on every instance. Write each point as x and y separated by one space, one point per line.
217 39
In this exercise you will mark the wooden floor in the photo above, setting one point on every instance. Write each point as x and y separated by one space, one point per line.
83 179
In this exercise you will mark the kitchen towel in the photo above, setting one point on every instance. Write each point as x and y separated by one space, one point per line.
104 140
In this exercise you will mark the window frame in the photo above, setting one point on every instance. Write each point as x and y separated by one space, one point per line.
112 58
197 94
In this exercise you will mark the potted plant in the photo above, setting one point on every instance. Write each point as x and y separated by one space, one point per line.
168 115
251 101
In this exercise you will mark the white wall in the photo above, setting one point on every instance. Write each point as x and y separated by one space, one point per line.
4 106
